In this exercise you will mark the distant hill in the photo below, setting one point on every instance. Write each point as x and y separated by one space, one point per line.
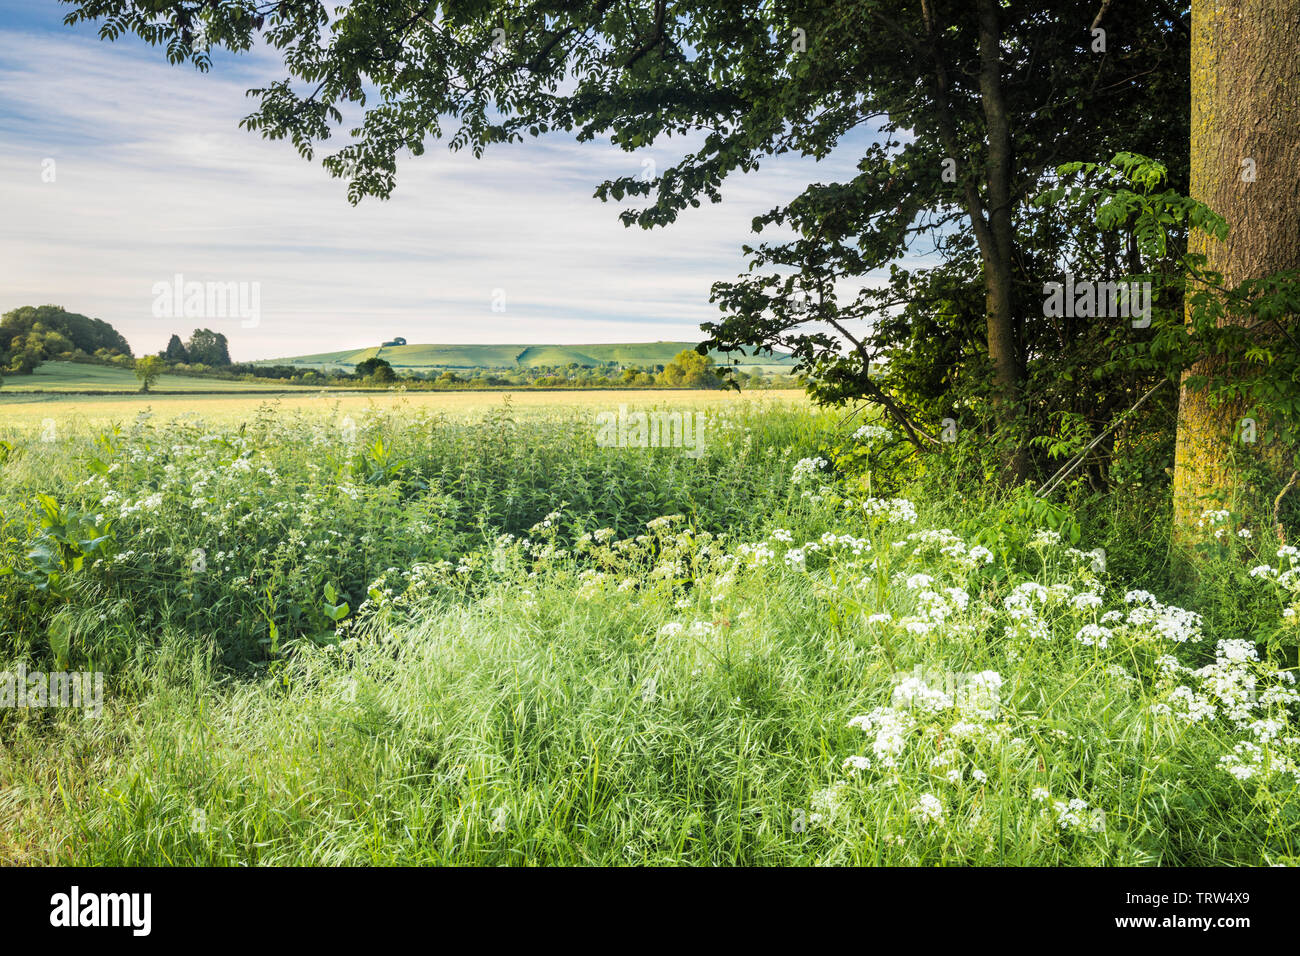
428 357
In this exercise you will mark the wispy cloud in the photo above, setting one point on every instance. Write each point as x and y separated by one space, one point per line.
153 177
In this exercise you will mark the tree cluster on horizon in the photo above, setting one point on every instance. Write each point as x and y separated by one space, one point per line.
31 335
204 347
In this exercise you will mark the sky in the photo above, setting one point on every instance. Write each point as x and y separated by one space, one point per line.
120 172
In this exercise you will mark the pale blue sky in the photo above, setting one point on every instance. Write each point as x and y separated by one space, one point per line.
153 177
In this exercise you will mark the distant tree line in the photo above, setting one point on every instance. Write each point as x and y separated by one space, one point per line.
34 334
688 369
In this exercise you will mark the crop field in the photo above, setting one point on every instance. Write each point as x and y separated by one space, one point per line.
20 412
447 629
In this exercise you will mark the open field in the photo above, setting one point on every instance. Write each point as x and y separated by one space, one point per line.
79 377
424 357
29 411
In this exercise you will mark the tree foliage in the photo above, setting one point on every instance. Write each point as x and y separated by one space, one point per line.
690 370
176 351
32 334
206 347
147 370
375 370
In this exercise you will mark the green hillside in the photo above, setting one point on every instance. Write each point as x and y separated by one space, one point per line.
426 357
78 377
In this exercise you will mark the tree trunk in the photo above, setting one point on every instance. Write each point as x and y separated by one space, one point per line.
1245 120
991 222
999 265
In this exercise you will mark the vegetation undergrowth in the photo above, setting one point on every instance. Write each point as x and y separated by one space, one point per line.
421 643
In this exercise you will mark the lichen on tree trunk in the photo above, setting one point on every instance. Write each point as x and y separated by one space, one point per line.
1245 164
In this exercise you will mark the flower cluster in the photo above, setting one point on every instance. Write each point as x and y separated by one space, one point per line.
807 468
873 433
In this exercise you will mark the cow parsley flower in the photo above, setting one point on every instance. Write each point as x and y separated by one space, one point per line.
890 728
1072 815
893 510
806 468
928 809
873 433
1085 600
916 693
1093 634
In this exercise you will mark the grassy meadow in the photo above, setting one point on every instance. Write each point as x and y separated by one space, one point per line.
449 629
83 377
